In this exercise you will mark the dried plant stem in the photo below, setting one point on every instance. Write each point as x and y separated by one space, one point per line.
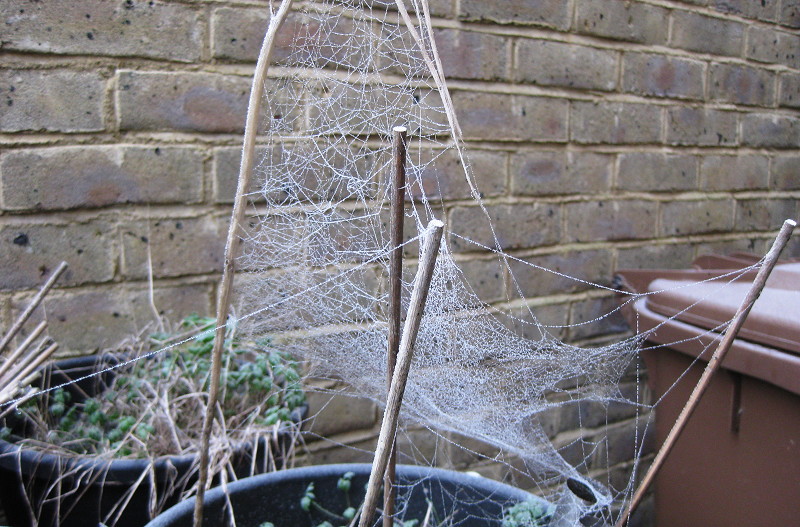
237 217
12 359
17 377
33 305
714 363
398 197
419 296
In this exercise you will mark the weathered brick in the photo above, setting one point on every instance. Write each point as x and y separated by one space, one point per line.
336 411
764 214
790 14
97 176
541 173
595 317
584 266
237 33
770 130
541 221
554 316
679 218
511 117
97 27
623 442
227 161
473 55
485 279
622 20
51 100
790 90
444 177
594 221
650 171
551 13
102 318
550 63
615 123
663 76
655 257
178 246
740 84
198 102
31 251
773 47
786 173
742 172
692 31
688 125
762 10
442 8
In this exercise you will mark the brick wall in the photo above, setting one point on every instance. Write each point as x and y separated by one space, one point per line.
624 133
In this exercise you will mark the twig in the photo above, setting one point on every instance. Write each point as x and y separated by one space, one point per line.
419 295
713 365
237 217
14 385
12 359
398 197
33 305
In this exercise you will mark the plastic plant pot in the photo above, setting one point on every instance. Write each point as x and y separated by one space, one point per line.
467 500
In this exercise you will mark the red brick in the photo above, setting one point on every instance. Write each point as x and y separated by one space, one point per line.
197 102
615 123
739 84
237 34
98 176
178 246
517 226
51 100
650 171
770 130
539 173
551 13
790 90
96 27
444 177
663 76
764 214
473 55
496 117
679 218
31 251
595 221
622 20
688 125
692 31
549 63
742 172
786 173
99 319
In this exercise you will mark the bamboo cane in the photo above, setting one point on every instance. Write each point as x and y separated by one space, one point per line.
419 296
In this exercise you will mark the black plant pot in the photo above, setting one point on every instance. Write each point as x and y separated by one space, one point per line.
469 500
49 490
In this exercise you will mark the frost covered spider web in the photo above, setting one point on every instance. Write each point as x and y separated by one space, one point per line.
317 248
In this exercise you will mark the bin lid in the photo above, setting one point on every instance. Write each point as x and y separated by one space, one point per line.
774 320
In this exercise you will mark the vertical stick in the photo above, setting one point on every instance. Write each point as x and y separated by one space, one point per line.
34 303
713 365
395 297
237 216
419 296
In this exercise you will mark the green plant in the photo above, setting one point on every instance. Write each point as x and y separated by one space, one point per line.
155 407
527 514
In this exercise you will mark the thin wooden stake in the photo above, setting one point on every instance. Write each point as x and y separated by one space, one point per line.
422 283
237 217
398 198
12 359
33 305
713 365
